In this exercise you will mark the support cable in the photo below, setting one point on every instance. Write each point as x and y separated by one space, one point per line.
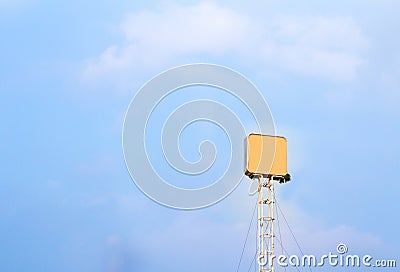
254 258
287 253
290 229
279 231
247 236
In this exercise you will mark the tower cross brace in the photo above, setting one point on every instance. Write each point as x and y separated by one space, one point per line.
265 224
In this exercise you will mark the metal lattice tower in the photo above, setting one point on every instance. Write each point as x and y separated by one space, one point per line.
265 225
266 163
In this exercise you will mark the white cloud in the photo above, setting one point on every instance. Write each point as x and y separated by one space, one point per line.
316 237
313 46
313 235
154 38
204 27
13 7
195 237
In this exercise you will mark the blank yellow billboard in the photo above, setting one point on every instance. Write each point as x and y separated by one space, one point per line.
266 155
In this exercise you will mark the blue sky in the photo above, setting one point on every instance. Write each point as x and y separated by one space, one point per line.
329 72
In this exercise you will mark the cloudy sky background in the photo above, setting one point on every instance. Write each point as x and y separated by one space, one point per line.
329 72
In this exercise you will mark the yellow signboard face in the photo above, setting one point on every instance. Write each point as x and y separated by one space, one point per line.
266 155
